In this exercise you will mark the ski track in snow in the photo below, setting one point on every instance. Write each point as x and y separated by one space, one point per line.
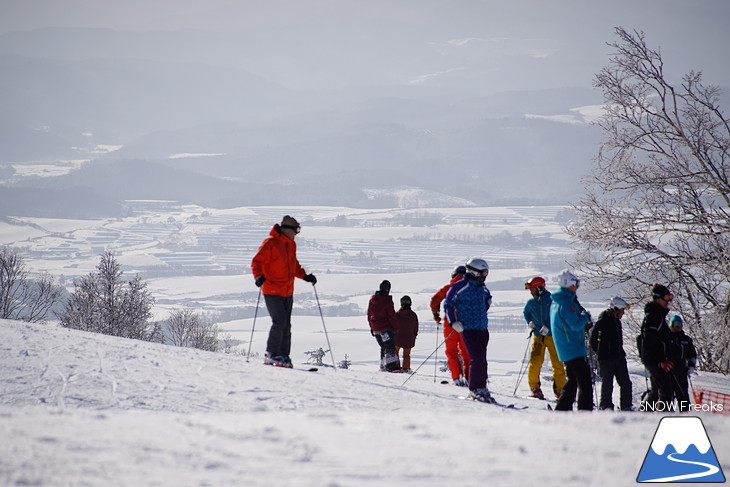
82 409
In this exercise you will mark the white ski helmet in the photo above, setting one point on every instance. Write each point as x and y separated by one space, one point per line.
619 303
567 279
477 267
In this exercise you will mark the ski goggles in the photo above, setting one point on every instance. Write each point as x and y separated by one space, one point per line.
296 229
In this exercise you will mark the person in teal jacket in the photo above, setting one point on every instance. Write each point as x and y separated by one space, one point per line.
569 320
537 316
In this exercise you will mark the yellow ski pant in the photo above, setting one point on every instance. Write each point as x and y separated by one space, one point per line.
537 357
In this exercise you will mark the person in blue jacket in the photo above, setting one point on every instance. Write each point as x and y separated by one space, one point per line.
466 306
569 321
537 316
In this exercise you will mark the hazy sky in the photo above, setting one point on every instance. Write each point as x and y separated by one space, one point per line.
311 44
430 93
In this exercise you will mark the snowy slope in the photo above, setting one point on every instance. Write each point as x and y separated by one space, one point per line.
81 409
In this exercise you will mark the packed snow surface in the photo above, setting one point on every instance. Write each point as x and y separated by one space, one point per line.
82 409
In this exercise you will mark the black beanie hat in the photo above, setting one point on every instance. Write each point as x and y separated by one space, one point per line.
659 291
406 301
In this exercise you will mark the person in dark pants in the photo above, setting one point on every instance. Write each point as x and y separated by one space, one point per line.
684 357
466 305
569 321
655 347
274 268
384 326
607 341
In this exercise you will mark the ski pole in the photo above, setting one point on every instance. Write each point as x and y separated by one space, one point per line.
253 326
680 389
592 365
417 368
334 366
436 359
523 369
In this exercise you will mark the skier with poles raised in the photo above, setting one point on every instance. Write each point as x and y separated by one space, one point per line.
274 268
537 316
569 321
466 305
607 341
457 357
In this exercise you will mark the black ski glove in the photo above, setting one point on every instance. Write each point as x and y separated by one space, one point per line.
260 281
311 278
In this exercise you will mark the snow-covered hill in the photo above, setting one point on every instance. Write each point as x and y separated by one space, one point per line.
84 409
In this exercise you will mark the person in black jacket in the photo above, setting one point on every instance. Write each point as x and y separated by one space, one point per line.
655 345
684 357
608 343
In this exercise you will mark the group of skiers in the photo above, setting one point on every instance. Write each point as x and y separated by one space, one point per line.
394 331
558 324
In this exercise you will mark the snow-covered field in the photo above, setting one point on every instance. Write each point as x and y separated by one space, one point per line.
200 256
79 409
82 409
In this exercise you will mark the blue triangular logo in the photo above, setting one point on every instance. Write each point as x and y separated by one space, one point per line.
681 452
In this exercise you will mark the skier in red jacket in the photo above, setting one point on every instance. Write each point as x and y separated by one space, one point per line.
384 326
274 267
457 356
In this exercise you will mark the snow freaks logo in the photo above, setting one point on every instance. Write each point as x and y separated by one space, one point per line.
681 451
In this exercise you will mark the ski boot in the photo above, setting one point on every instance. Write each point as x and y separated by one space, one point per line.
481 395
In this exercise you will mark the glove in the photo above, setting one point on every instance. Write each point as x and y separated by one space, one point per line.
667 366
260 280
458 326
544 330
311 278
385 336
437 318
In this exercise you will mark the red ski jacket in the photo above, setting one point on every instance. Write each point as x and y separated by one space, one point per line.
440 296
381 314
407 328
277 261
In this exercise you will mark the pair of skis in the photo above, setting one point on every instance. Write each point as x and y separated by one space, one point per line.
310 369
494 402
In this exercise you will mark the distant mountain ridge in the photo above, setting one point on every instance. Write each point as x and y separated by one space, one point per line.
313 102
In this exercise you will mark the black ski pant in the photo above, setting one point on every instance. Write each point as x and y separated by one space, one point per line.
680 386
279 342
661 387
580 382
476 342
610 369
388 357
